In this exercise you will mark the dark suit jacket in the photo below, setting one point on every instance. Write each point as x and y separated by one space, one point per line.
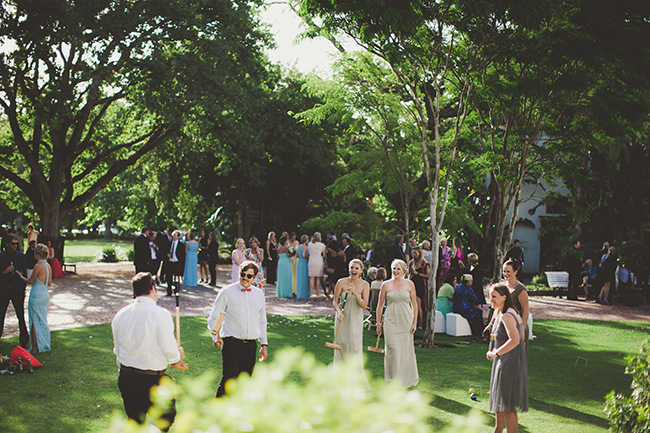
393 252
163 245
142 252
12 281
177 268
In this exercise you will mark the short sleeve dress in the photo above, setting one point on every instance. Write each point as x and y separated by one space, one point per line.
316 263
509 381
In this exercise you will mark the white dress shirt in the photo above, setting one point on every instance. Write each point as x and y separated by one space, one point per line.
245 313
172 251
143 334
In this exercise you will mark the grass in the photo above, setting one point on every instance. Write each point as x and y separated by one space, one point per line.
90 250
76 390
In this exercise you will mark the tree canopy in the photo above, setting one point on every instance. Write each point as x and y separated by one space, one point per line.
88 89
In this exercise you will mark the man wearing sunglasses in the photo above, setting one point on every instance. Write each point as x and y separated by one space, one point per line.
13 264
244 324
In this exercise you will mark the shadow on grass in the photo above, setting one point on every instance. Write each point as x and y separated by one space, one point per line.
568 413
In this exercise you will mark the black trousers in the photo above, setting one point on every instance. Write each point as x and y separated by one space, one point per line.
17 298
212 265
135 389
237 356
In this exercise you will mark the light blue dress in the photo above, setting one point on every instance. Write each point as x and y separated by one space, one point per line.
302 276
190 276
284 285
39 297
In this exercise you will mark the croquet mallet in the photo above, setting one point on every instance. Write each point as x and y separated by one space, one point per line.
217 325
334 345
376 348
178 365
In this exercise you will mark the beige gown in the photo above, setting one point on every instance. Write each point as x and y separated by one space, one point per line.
399 361
350 335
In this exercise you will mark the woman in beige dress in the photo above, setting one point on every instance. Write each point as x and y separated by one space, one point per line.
353 293
399 323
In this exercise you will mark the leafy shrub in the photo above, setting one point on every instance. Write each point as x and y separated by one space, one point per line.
109 255
294 393
540 280
130 255
632 414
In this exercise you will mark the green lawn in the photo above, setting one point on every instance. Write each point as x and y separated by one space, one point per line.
90 250
76 390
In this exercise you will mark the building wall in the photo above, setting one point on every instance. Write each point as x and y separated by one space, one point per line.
527 228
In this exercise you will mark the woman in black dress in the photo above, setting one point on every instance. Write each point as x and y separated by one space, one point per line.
419 270
213 257
203 256
271 259
335 269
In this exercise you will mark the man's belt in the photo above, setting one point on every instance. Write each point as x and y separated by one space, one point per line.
138 371
240 340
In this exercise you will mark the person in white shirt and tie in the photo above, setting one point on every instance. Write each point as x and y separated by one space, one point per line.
244 324
175 261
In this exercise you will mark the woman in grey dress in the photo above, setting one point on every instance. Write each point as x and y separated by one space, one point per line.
399 324
353 292
509 381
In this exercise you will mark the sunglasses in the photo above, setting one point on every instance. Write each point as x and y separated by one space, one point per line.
247 276
14 243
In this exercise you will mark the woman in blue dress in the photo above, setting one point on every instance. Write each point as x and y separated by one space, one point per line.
284 286
39 297
302 273
190 276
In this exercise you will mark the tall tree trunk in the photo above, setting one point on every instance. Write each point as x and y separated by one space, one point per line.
107 227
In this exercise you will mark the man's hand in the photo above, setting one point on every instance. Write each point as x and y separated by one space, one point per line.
218 342
263 354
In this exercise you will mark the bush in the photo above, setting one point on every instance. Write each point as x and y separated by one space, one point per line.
540 280
109 255
632 414
130 255
295 393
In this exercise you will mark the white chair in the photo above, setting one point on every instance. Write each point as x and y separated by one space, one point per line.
441 325
530 327
457 325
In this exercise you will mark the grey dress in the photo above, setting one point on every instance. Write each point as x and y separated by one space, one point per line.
509 381
399 361
514 293
350 335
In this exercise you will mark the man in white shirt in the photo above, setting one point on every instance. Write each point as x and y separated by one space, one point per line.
244 324
143 334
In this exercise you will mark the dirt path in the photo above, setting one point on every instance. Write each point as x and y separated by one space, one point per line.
99 290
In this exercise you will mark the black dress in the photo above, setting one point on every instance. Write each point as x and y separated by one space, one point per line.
271 262
203 250
421 287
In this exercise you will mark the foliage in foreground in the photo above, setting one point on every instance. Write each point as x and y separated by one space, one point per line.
632 414
308 396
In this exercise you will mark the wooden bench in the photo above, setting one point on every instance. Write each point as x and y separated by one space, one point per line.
557 280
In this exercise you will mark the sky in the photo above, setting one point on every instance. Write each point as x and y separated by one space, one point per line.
307 56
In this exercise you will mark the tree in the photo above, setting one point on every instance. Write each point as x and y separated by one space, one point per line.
541 102
147 63
382 154
429 57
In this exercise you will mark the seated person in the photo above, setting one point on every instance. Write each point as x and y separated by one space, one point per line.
588 276
446 295
466 304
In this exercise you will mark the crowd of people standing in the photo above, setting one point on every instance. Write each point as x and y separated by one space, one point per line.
171 257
